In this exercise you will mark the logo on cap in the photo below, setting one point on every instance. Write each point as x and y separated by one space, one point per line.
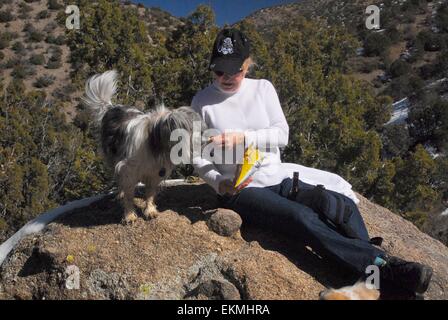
226 47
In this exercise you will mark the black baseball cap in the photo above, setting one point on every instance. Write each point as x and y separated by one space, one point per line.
230 49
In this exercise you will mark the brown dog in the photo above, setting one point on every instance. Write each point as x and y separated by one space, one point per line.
358 291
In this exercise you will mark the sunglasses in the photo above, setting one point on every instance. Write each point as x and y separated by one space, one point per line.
221 73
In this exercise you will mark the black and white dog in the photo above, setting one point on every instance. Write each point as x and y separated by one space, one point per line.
136 144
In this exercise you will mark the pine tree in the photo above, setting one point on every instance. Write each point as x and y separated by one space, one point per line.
382 191
413 182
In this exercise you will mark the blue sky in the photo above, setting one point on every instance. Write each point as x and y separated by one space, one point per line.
226 11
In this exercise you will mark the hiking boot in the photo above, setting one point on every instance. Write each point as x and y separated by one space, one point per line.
411 276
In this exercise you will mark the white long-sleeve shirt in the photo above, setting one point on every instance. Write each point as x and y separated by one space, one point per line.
255 110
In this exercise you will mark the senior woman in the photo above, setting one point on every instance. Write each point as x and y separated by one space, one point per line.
247 112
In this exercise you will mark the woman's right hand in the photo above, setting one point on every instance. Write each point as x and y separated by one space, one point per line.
228 140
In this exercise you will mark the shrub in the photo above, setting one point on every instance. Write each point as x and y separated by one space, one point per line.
405 85
408 18
2 2
375 44
44 81
50 26
50 39
37 59
12 62
53 64
442 17
43 14
393 34
396 140
55 57
429 121
22 71
3 225
442 63
28 27
369 66
399 68
55 52
408 33
36 36
64 93
430 40
59 40
18 48
54 5
4 41
23 16
416 52
6 16
24 10
427 71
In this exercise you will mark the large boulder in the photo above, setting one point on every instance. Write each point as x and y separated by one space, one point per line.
179 256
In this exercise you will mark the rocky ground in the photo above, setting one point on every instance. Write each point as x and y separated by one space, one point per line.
193 250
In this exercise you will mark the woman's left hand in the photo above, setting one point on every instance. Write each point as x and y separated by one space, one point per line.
228 139
228 186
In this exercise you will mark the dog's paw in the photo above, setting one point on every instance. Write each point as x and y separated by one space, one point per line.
150 212
129 218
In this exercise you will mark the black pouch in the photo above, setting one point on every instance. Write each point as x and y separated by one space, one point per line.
335 207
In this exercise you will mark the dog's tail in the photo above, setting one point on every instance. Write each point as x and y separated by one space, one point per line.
99 91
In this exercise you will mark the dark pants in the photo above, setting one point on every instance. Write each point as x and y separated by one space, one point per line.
270 208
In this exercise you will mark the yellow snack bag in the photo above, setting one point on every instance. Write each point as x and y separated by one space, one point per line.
252 160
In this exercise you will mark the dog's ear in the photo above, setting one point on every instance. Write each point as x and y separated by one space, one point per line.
167 121
191 119
189 116
195 117
159 135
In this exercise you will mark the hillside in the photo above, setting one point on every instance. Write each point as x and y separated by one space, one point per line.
411 41
34 48
178 255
